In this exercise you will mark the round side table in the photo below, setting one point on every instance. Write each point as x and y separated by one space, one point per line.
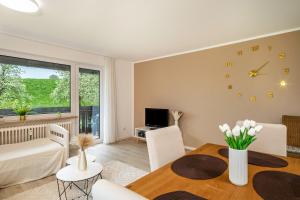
71 175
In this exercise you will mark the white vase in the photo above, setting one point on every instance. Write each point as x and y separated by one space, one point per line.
82 163
238 166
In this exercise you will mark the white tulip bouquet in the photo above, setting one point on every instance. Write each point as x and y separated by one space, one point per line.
240 137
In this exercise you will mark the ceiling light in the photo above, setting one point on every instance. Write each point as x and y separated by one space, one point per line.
28 6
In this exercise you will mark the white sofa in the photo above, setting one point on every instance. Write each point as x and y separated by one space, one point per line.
34 159
272 139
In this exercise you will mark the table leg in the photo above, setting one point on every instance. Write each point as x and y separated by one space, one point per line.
87 188
58 189
65 190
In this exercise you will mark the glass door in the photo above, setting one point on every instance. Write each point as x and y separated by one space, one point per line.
89 102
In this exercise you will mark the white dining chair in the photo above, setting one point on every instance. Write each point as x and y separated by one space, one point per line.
164 145
272 139
105 190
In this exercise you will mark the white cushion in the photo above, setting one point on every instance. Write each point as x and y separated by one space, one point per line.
28 148
105 190
164 145
272 139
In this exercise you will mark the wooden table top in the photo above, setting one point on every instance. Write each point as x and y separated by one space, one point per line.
164 180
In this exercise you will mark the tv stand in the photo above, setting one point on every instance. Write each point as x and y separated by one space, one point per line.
140 133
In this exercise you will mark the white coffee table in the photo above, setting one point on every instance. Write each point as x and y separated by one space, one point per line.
70 175
74 160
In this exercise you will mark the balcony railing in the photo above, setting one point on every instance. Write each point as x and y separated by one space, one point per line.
89 120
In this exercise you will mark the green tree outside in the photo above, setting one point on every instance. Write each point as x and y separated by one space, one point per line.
52 92
11 85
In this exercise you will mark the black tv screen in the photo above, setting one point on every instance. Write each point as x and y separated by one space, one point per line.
156 117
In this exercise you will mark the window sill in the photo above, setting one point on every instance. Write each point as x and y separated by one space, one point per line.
32 119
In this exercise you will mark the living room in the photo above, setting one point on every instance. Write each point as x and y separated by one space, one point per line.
149 100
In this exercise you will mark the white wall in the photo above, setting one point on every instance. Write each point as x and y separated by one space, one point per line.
20 45
124 85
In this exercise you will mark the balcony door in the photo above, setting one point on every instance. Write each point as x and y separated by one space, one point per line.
89 102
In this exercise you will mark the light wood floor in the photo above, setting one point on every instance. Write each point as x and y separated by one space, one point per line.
128 151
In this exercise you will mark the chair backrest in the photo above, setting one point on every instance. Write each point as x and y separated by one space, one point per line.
272 139
164 145
105 190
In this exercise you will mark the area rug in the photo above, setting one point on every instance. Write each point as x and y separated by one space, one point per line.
114 171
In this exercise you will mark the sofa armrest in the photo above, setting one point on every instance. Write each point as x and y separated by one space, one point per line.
59 135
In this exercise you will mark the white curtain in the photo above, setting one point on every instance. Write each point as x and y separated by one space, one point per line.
109 119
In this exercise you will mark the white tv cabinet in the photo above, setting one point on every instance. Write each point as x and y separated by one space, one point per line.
140 132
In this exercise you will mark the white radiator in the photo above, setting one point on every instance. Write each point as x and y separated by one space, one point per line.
19 134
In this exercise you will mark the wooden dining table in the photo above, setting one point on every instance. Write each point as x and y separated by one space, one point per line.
164 180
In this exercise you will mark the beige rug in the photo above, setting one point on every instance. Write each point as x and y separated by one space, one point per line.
114 171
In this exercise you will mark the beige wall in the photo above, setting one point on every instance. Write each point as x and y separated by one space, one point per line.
195 84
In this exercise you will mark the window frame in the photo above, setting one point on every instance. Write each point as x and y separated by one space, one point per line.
45 59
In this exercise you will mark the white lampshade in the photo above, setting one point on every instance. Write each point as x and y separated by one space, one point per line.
28 6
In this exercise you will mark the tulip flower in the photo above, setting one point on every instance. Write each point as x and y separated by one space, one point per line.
224 128
228 133
240 137
252 123
236 131
251 132
246 123
243 129
258 128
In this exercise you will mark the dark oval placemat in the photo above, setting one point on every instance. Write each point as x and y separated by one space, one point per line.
272 185
199 166
260 159
179 195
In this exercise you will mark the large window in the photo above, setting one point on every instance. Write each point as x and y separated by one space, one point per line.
43 86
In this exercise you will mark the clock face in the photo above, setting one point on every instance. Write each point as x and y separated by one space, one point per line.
262 65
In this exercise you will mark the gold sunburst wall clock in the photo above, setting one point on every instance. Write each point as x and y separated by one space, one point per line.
256 72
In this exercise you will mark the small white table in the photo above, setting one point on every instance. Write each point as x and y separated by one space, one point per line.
74 160
71 174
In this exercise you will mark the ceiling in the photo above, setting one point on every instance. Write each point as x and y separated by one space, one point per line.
143 29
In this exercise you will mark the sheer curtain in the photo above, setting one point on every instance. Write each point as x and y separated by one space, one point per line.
109 120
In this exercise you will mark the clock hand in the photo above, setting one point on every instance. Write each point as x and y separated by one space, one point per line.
260 68
255 72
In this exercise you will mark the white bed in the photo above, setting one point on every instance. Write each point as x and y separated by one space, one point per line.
35 159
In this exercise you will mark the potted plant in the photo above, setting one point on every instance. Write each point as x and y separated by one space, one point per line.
22 110
59 114
238 140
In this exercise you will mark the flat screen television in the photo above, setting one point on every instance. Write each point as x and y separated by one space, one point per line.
156 117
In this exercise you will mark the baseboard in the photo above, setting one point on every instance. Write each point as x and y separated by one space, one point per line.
123 137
